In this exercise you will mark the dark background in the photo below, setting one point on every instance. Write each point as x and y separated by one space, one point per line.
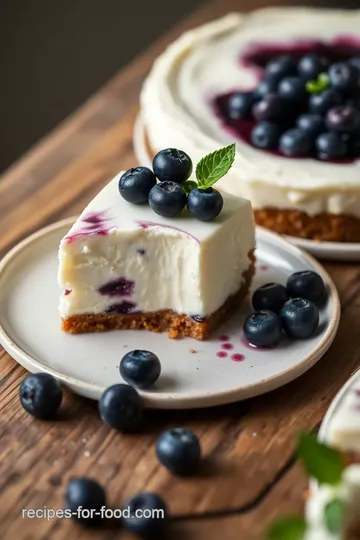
55 53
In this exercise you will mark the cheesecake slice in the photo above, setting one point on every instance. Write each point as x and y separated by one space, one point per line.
121 266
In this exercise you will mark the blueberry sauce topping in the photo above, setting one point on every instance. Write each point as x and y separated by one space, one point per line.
118 287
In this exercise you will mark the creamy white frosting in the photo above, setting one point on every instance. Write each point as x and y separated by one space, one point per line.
181 263
204 62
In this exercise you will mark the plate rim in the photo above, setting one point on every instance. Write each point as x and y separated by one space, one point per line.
193 399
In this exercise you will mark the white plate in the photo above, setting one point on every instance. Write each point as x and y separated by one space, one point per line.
88 363
336 251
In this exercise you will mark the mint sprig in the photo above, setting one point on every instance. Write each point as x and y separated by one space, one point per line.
318 85
334 515
188 186
214 166
287 528
322 462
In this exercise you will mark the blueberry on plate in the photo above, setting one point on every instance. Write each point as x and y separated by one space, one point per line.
120 407
330 146
311 65
167 199
140 368
135 185
178 449
295 142
82 496
299 318
271 296
205 204
292 89
173 165
306 284
343 118
281 66
239 105
344 77
265 87
312 124
41 395
321 103
262 329
269 109
265 135
145 515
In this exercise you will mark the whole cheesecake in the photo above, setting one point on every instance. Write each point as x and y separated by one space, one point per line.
274 81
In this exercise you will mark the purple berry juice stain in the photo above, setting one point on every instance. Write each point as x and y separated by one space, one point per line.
67 291
141 251
237 357
221 354
227 346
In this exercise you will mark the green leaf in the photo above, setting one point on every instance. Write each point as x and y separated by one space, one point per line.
189 185
288 528
318 85
214 166
322 462
333 515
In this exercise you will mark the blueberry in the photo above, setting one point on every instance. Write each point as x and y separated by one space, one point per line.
41 395
121 407
321 103
205 204
269 109
262 328
173 165
355 61
265 87
292 89
344 77
239 105
330 146
306 284
167 199
299 318
312 124
343 118
135 184
145 515
140 368
281 66
295 142
265 135
85 494
271 296
311 65
179 450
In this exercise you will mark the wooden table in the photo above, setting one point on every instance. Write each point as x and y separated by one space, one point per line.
252 474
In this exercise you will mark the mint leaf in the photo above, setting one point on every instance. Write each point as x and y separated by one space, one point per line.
333 515
189 185
288 528
323 463
318 85
214 166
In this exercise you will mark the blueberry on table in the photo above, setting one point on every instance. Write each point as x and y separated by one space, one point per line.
281 66
172 164
265 135
262 328
343 118
312 124
344 77
135 185
306 284
205 204
167 199
145 515
41 395
270 108
179 451
271 296
321 103
140 368
330 146
295 142
239 105
299 318
311 65
292 89
82 496
120 407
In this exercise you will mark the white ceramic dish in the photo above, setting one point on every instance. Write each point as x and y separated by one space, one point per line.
194 373
339 251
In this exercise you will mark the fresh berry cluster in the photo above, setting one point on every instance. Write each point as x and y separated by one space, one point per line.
291 310
307 107
173 192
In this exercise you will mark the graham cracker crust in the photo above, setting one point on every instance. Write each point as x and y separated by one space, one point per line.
177 325
321 227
